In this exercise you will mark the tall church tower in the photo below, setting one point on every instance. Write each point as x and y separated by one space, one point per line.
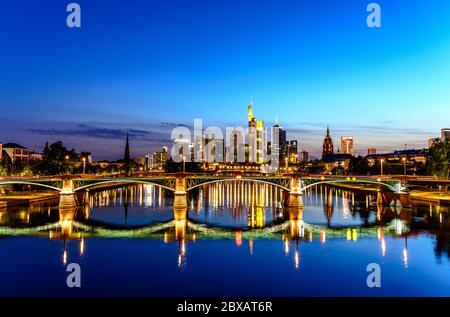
327 145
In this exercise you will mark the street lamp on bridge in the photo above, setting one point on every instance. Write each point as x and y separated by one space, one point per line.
184 162
404 165
381 162
84 165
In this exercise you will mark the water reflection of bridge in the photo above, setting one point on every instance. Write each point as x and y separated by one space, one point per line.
74 222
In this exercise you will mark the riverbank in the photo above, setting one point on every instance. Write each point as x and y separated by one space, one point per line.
26 198
435 197
15 199
418 195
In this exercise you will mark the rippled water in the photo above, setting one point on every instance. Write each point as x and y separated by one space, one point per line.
237 240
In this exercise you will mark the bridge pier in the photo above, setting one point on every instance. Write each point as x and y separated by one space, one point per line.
295 199
67 187
385 198
67 207
180 196
180 222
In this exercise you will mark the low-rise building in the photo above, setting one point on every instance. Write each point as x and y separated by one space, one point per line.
304 156
34 156
419 156
16 152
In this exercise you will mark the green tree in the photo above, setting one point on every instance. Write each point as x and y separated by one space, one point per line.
57 159
338 170
5 165
438 160
315 166
358 166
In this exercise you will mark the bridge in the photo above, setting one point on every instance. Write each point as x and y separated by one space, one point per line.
181 183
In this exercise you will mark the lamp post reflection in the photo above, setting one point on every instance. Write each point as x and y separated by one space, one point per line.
405 252
180 222
81 246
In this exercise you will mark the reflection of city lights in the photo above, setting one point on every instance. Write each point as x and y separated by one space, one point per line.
166 238
398 226
310 236
323 237
383 247
179 260
297 259
148 195
64 257
405 256
345 206
50 234
238 238
250 245
349 234
354 235
183 247
82 246
286 246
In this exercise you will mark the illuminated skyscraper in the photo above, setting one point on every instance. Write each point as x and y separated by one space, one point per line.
251 133
256 137
280 147
304 156
292 151
260 142
347 146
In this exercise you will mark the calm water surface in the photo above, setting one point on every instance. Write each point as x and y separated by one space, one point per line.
236 240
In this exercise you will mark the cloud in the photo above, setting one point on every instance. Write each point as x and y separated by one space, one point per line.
85 130
103 133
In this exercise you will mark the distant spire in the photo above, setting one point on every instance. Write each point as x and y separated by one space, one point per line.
251 101
276 119
126 156
328 130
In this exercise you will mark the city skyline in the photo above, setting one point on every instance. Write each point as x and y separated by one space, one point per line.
310 141
310 64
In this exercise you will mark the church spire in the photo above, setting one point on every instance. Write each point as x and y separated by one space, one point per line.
126 156
328 150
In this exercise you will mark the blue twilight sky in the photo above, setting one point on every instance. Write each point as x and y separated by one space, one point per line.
148 66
